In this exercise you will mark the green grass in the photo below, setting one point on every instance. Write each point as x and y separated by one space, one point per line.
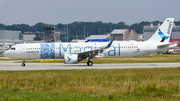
9 59
1 55
88 85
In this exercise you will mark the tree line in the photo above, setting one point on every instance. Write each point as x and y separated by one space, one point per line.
77 29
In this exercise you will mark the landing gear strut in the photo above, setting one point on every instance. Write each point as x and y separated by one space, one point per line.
23 63
89 63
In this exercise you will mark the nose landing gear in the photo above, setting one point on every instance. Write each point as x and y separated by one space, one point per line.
23 63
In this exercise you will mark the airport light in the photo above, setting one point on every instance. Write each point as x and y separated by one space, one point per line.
76 34
99 31
67 33
84 32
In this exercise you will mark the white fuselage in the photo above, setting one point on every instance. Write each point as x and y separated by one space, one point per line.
57 50
75 52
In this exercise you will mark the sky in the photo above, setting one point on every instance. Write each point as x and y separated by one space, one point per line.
67 11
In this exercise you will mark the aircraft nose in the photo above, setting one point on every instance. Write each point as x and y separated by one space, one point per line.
6 53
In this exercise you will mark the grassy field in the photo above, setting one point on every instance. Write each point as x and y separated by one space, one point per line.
90 85
1 55
99 85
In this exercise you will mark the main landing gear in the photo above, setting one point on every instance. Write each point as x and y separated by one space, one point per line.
89 63
23 63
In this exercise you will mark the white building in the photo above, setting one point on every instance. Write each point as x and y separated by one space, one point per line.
29 36
119 35
9 35
78 41
97 37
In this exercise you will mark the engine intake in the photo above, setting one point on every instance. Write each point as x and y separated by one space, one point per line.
70 58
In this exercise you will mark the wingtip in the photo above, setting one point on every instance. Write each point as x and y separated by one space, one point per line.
112 40
110 43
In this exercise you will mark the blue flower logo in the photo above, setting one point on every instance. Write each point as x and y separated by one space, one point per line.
68 58
37 51
161 34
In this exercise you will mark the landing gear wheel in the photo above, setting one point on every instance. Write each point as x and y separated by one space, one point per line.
89 63
23 64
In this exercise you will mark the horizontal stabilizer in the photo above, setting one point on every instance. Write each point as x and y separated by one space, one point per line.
165 45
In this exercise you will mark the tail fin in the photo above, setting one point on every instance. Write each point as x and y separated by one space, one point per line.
163 33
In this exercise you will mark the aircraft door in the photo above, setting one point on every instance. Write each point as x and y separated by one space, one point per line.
22 51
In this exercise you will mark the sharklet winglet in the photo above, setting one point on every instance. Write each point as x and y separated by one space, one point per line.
110 43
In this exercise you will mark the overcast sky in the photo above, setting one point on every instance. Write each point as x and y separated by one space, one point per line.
67 11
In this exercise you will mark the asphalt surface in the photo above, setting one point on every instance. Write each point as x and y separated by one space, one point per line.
10 65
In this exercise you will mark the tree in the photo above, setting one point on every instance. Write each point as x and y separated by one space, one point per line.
2 27
38 27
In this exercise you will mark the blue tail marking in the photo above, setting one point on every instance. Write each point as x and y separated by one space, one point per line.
161 34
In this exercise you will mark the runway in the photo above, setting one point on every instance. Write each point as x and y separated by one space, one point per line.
10 65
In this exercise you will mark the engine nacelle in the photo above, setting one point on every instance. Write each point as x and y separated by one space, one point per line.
70 58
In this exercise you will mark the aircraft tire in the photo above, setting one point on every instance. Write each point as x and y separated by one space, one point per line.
23 64
89 63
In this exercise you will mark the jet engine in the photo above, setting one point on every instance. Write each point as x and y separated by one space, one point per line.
70 58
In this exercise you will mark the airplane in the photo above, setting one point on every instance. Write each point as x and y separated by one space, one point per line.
72 53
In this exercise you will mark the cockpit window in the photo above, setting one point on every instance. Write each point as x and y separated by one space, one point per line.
12 48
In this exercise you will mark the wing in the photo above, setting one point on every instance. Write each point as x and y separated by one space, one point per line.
92 53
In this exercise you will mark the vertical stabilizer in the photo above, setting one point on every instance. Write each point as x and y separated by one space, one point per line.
163 33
